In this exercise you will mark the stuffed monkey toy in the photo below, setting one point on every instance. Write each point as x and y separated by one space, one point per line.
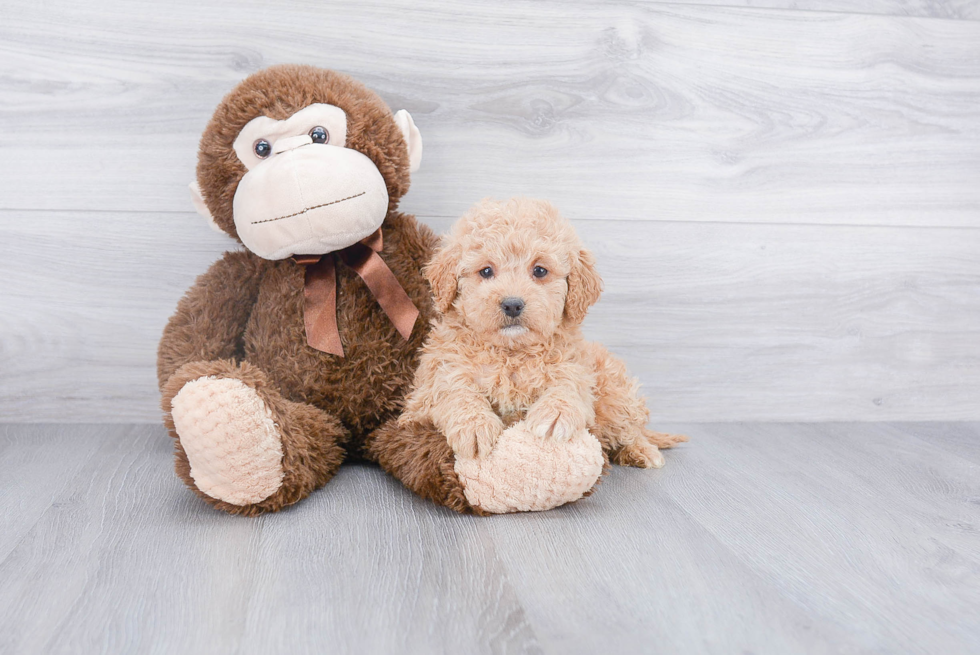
287 353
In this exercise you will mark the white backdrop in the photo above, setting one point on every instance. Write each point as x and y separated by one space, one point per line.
784 199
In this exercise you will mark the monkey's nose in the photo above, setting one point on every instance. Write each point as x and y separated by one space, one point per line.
512 306
291 143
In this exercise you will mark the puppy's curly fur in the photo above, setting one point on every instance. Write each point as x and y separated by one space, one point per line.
513 283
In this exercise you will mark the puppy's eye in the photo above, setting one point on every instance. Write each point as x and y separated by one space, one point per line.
262 148
539 271
320 135
486 273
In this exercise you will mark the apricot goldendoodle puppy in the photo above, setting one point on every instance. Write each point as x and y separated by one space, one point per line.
513 282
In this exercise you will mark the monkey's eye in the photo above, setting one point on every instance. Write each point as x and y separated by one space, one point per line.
540 271
320 135
262 148
486 273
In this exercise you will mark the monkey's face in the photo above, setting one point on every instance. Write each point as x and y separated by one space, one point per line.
299 160
305 193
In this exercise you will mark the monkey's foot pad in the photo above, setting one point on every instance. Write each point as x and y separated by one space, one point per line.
525 473
232 443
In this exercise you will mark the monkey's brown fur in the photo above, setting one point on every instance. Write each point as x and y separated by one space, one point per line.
243 319
420 456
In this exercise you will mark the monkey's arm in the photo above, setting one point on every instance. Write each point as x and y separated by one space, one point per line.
211 317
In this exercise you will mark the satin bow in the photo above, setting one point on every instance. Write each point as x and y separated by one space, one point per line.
320 292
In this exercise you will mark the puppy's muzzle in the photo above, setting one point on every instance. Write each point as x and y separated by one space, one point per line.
512 306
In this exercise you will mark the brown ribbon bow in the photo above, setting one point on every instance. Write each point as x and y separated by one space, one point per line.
320 292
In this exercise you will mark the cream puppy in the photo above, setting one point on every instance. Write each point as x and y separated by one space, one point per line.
513 283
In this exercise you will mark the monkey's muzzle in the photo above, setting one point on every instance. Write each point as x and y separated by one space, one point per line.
309 199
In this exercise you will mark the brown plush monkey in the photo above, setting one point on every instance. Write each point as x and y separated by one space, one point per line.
284 357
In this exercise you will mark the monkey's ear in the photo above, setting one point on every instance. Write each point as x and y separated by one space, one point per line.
442 273
201 207
584 287
413 139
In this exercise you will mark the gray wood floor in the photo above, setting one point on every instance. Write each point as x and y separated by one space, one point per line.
763 538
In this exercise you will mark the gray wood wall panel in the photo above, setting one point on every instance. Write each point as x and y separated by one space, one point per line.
955 9
720 321
696 113
785 201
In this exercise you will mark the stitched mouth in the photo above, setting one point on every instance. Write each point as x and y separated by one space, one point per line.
309 209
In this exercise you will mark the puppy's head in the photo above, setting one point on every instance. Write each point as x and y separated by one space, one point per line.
514 272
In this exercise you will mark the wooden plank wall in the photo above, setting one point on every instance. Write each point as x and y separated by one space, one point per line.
784 196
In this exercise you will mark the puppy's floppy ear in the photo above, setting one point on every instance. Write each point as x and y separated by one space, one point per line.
442 274
584 287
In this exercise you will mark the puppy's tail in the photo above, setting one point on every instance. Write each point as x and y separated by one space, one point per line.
662 439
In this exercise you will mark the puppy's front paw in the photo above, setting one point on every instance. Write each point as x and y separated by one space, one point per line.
554 420
641 454
475 436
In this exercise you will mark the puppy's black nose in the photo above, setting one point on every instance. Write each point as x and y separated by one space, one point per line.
512 306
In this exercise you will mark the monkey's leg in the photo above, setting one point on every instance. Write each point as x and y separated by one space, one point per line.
240 445
622 415
419 455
